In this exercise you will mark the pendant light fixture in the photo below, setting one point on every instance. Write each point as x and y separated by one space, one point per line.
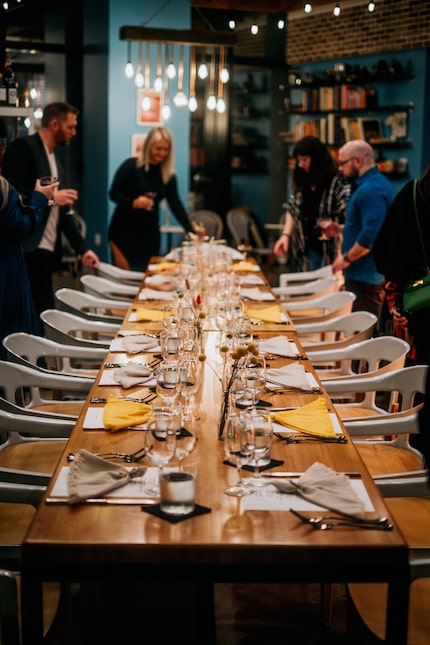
192 103
211 102
180 99
146 100
129 69
220 104
166 110
139 79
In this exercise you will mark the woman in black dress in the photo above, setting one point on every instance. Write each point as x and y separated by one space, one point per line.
138 187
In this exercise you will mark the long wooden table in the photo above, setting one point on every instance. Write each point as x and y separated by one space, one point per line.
94 542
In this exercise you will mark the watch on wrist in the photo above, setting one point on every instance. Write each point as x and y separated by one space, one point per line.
346 258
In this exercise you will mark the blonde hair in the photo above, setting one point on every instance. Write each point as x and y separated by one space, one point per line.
157 134
4 187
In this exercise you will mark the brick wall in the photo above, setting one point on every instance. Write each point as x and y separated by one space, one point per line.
395 25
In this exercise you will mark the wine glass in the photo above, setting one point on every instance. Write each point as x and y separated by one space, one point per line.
188 340
239 450
167 381
186 441
170 316
255 377
47 181
152 196
160 444
323 223
260 436
189 378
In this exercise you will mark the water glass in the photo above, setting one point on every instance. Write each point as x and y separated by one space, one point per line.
170 343
178 491
167 381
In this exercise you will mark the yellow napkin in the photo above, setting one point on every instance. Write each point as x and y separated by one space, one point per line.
313 419
243 266
166 266
119 414
143 314
271 314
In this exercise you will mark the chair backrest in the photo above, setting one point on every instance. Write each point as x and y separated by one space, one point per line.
74 330
25 386
209 220
320 287
124 276
337 332
97 286
243 228
287 279
321 307
91 307
38 351
373 356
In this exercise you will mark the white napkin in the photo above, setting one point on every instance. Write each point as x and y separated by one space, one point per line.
132 374
256 294
153 294
325 487
279 345
293 375
250 279
158 279
136 344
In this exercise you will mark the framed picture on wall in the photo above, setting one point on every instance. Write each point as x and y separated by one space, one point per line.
148 107
370 129
137 141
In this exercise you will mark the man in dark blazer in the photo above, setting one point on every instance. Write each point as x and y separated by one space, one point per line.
31 157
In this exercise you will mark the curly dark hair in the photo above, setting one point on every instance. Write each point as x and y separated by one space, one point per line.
323 166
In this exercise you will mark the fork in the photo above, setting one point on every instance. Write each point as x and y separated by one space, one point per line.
326 522
127 457
124 334
301 438
146 399
291 388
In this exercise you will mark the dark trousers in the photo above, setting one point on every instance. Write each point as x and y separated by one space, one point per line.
40 267
370 297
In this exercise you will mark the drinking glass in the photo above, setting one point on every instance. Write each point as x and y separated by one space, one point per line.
188 340
170 342
152 196
260 438
160 444
186 441
47 181
189 378
167 381
170 316
239 450
255 377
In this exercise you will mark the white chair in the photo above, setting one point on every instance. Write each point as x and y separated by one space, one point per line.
209 220
321 308
124 276
408 503
97 286
290 279
66 328
337 332
29 387
91 307
320 287
38 351
367 358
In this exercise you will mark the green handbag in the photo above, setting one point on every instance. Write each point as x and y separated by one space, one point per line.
416 294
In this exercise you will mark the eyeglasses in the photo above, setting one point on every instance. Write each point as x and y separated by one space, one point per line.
342 163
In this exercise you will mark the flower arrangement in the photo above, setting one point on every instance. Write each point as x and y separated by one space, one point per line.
240 357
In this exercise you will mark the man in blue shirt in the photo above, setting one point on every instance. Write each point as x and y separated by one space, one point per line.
371 196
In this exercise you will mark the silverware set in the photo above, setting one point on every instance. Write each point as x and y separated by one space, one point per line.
291 388
129 458
302 438
146 399
124 334
326 522
151 364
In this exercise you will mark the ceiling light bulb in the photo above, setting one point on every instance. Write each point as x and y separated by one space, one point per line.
192 104
211 104
224 75
158 84
203 71
281 24
232 24
254 29
27 122
138 79
308 7
38 113
336 10
146 104
220 106
371 7
129 70
171 70
180 99
33 93
166 112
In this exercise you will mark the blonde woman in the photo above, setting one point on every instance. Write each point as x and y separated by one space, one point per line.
138 187
18 223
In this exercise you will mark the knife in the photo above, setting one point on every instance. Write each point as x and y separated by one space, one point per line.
278 474
124 334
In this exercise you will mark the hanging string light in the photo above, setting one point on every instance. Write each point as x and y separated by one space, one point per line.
146 100
371 7
211 102
166 111
308 7
336 10
158 82
139 79
220 105
203 71
192 103
129 69
171 69
180 99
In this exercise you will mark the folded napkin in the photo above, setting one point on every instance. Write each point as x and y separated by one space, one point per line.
132 374
271 314
256 294
164 266
313 419
155 294
143 314
92 477
293 375
137 344
324 487
244 266
119 414
279 345
158 279
250 279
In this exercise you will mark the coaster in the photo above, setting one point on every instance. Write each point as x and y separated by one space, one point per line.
271 464
183 433
174 519
259 403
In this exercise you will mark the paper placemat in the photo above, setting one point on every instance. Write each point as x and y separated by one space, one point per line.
268 498
107 378
278 427
94 420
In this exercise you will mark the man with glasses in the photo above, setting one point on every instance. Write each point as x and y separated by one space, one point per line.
371 196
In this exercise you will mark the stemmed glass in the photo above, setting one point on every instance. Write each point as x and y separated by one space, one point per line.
152 196
188 340
261 435
189 378
255 377
160 444
170 316
186 442
167 381
47 181
239 450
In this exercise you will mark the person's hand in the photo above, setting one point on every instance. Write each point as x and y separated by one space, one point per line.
90 259
47 191
143 201
339 264
281 246
400 319
66 196
333 229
